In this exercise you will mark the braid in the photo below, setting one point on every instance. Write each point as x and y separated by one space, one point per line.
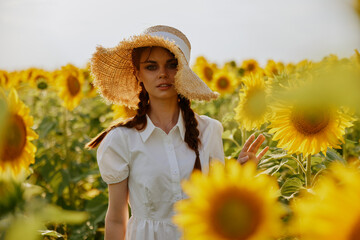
191 133
138 121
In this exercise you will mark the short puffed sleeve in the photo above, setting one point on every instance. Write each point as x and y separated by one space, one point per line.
113 156
216 144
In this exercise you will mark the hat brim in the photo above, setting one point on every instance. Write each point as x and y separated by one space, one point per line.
114 77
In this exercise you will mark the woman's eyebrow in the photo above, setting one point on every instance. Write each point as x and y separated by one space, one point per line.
152 61
148 61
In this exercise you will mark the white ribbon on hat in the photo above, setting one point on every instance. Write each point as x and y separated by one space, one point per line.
178 41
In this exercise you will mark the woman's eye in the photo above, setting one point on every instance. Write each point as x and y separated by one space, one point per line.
173 65
151 67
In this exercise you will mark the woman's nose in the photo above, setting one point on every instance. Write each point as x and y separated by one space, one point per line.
163 73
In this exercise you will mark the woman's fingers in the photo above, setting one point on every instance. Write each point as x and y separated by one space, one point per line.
262 153
243 160
250 148
248 143
254 147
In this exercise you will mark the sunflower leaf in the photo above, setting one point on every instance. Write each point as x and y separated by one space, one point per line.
332 155
291 186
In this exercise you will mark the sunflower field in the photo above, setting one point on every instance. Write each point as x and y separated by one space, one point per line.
307 186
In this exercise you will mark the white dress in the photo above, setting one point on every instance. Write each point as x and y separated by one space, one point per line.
155 163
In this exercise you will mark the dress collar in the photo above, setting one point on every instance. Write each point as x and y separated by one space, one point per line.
145 134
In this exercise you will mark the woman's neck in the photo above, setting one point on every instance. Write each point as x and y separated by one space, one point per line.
164 114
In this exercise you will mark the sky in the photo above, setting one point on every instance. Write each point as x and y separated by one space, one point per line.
51 33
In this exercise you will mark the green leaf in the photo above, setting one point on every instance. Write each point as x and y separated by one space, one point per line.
332 155
45 127
227 134
51 233
291 186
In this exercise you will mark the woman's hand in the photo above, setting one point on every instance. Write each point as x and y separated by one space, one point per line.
250 149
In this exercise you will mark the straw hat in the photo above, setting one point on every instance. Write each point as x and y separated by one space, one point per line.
114 71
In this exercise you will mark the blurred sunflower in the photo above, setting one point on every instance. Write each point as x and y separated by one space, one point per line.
4 79
39 78
89 88
273 68
308 128
253 108
290 68
27 75
231 202
16 150
303 65
70 82
123 112
9 79
251 66
204 69
356 57
357 6
333 204
224 81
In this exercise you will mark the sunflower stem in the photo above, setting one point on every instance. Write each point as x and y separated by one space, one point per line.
308 172
243 136
300 165
235 142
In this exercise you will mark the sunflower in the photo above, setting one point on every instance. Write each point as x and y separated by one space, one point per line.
357 6
8 79
333 204
204 69
308 128
123 112
356 58
70 82
224 81
39 78
16 150
27 75
290 68
251 66
231 202
4 79
89 88
303 65
273 68
253 108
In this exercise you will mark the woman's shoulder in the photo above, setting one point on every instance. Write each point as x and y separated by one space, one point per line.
206 122
115 136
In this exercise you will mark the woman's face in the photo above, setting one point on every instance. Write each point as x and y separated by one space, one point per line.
157 72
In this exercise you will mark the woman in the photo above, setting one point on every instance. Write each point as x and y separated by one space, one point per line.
144 159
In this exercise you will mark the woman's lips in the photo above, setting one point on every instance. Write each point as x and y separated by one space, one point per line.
164 86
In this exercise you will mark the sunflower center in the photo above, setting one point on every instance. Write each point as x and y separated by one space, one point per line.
14 139
41 82
6 79
208 73
274 71
30 73
310 121
223 83
73 85
237 215
251 67
255 106
355 234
